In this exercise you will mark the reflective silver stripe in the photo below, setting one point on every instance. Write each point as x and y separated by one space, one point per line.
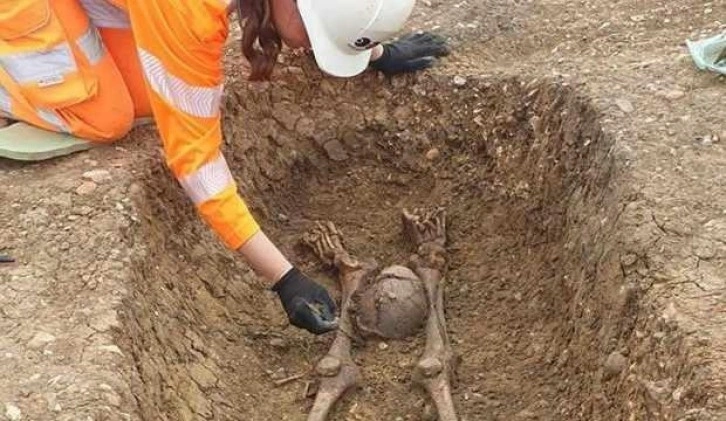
105 15
52 118
49 67
208 181
91 45
199 101
42 67
48 116
5 102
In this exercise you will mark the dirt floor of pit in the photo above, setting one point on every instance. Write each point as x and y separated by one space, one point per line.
197 328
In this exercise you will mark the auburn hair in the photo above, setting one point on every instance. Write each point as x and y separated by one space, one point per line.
261 44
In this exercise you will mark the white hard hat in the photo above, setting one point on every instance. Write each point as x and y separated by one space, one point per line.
342 32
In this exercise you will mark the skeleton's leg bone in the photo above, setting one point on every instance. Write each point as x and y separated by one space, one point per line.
337 370
434 371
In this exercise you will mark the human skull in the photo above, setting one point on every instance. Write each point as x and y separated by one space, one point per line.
393 306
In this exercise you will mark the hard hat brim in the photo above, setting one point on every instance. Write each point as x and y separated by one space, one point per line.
333 59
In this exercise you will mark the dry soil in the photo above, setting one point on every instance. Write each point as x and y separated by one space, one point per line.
577 151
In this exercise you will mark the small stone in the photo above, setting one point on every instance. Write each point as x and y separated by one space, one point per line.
525 414
615 364
674 94
659 391
433 154
459 81
403 116
628 259
335 150
625 105
706 140
87 187
97 176
13 412
278 343
382 346
518 296
111 348
203 376
677 394
40 339
278 374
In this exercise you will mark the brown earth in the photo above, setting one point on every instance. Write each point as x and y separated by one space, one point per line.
567 142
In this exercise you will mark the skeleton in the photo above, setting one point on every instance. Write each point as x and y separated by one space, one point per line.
394 304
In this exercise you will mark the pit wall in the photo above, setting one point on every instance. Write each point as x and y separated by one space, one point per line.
204 332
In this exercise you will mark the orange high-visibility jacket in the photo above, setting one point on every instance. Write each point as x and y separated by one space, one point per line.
180 43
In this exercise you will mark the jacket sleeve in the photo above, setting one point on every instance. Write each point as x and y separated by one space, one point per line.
180 45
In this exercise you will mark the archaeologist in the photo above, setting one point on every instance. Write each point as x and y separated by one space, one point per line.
90 67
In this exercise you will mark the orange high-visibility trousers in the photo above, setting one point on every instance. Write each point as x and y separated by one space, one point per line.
61 73
113 85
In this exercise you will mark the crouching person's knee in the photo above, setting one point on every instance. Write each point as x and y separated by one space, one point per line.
103 125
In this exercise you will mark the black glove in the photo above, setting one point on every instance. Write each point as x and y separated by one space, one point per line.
307 304
411 53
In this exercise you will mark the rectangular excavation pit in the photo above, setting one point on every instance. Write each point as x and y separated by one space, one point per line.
534 295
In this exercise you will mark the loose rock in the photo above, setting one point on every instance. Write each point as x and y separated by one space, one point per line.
615 364
203 376
87 187
674 94
40 339
278 343
335 150
12 412
433 154
97 176
677 394
625 105
459 81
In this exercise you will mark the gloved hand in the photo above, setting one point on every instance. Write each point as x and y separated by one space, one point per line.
307 304
411 53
